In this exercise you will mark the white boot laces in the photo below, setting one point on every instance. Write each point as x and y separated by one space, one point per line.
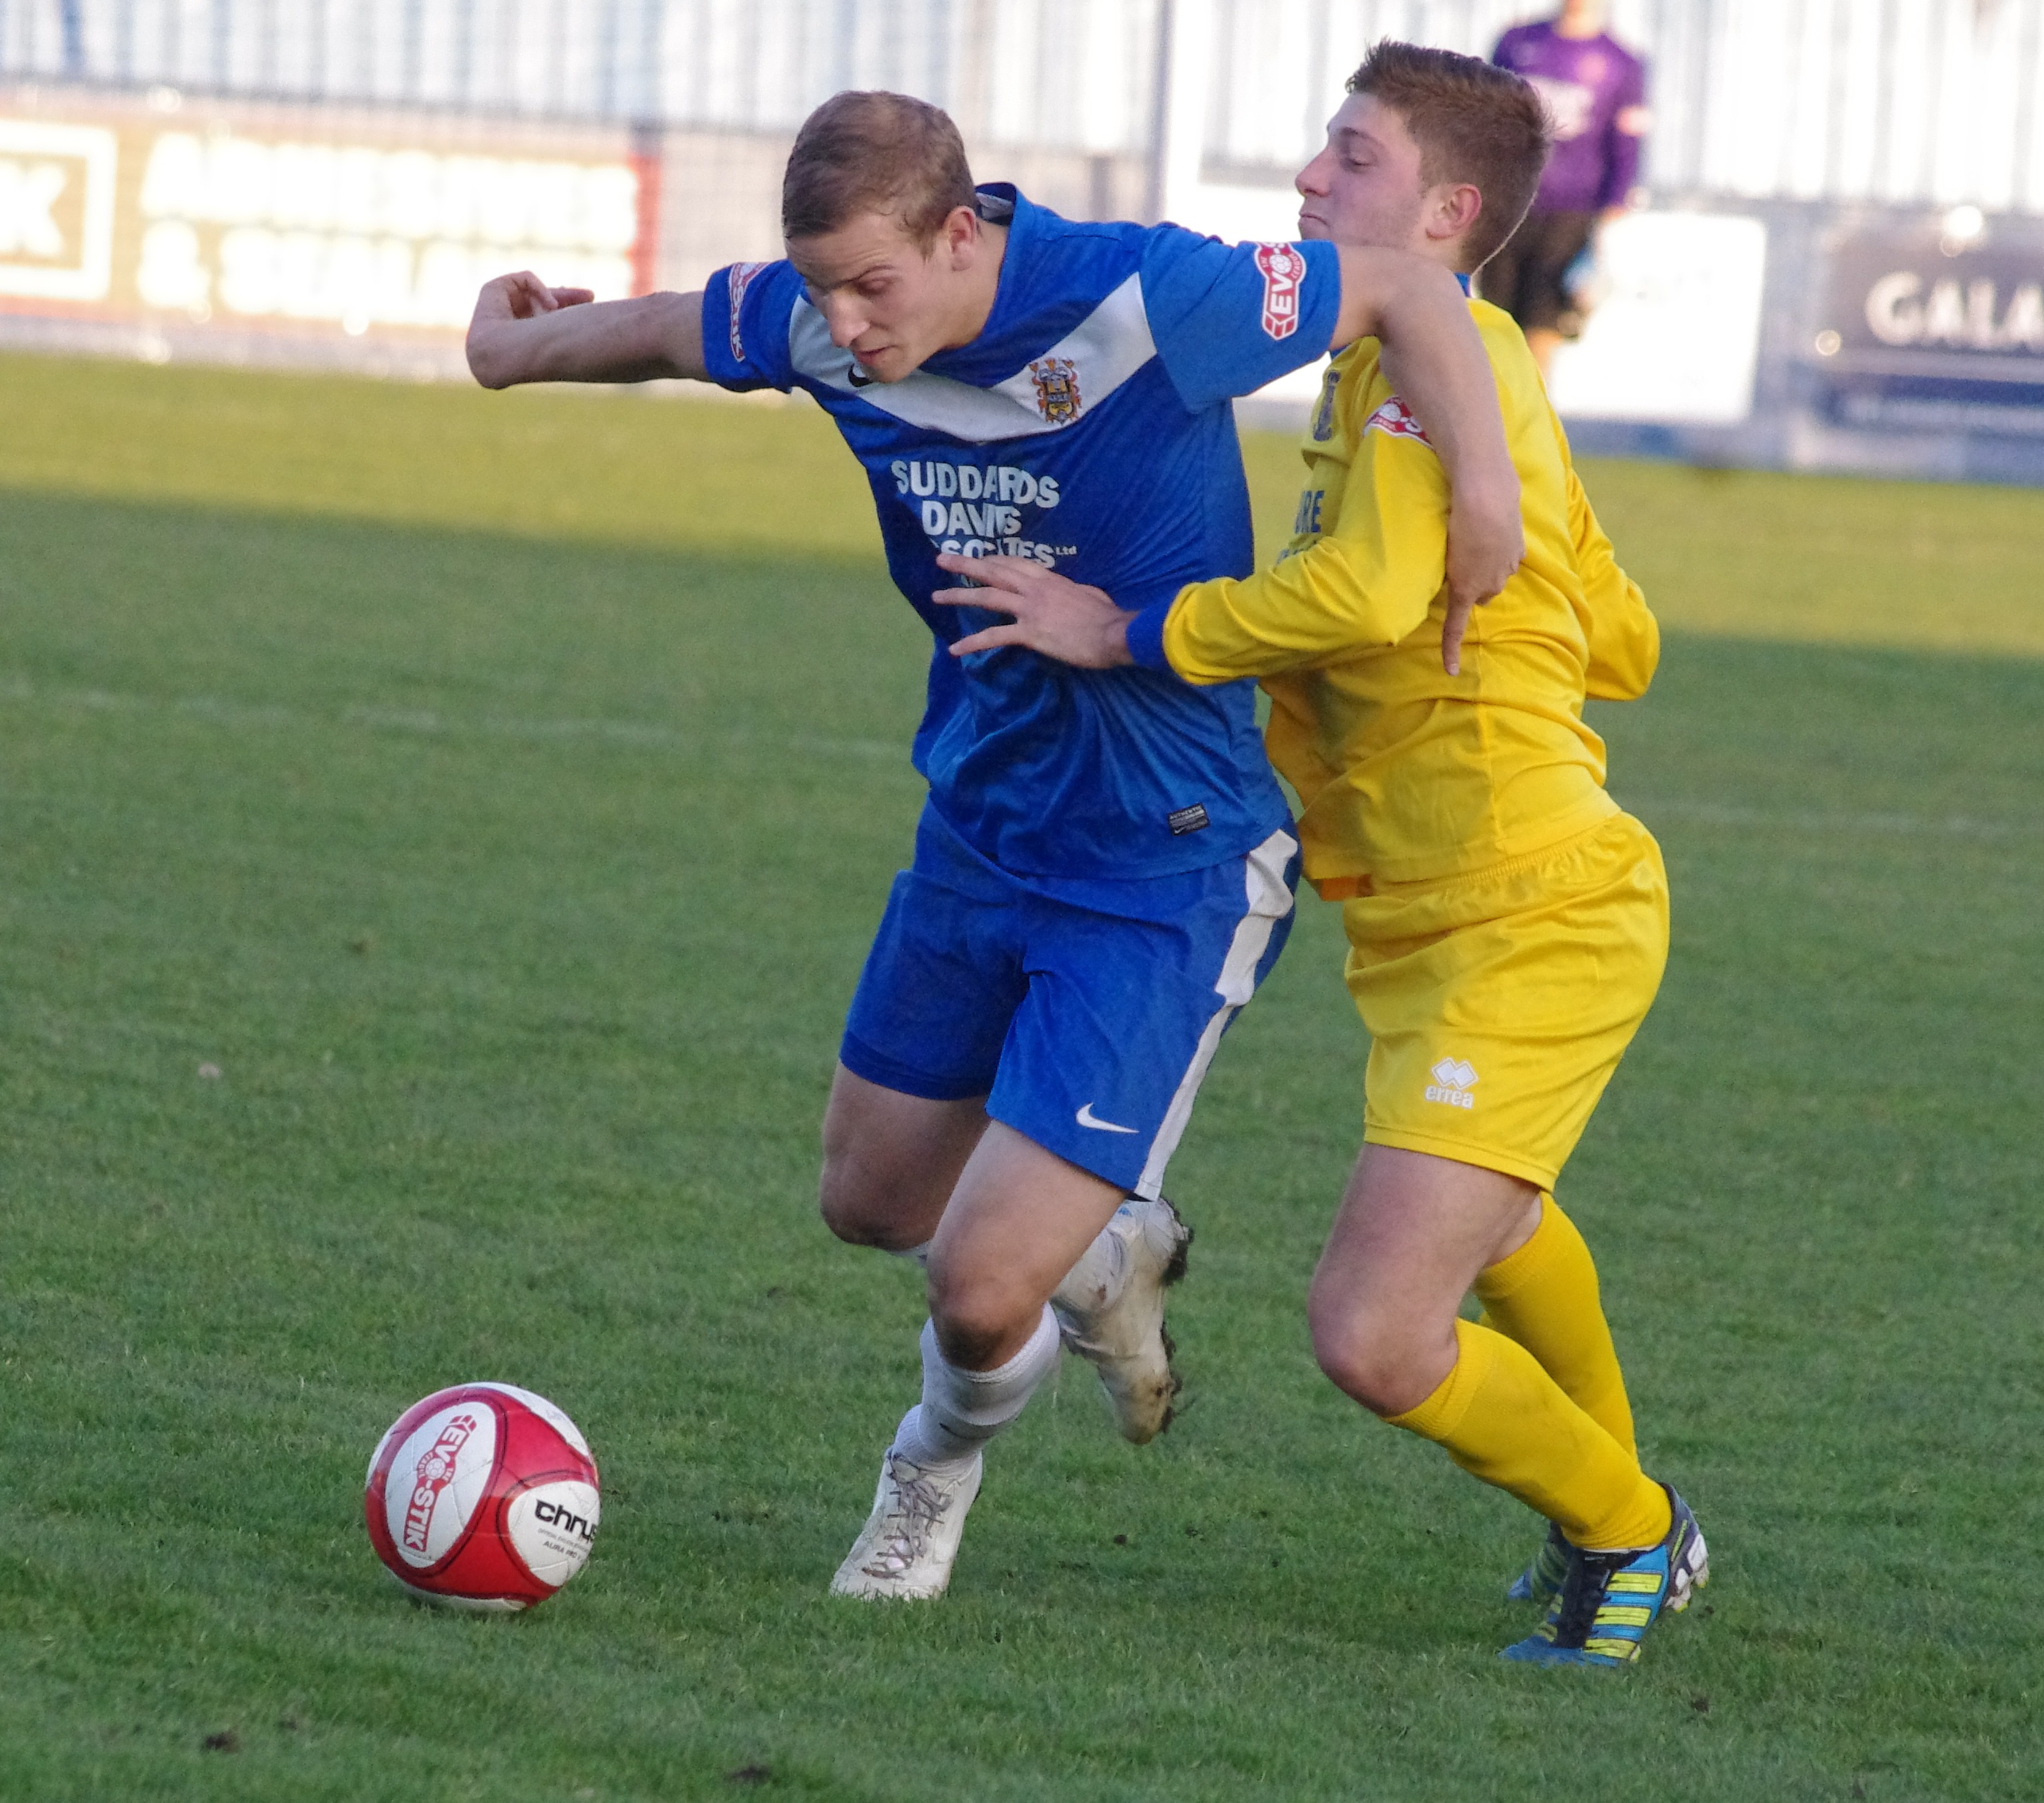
919 1505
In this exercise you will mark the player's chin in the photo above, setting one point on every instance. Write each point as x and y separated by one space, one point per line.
1313 227
884 365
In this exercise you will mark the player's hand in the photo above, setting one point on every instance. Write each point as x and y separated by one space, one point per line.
1486 544
499 352
521 295
1053 614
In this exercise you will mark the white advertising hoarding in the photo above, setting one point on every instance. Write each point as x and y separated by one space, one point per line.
1675 338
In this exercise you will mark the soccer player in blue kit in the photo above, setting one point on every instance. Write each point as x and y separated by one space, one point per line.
1103 871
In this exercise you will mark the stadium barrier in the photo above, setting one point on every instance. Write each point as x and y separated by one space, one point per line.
159 226
1777 334
1883 340
269 234
1770 334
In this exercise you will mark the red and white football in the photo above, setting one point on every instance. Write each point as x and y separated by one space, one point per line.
483 1497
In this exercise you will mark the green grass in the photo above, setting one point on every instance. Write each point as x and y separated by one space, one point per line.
500 792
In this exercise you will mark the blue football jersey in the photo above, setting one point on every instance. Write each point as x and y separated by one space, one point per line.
1086 427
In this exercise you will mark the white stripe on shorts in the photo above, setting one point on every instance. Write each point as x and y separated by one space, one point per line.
1270 901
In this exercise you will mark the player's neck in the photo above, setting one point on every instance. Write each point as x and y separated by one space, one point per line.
1585 24
1447 253
976 305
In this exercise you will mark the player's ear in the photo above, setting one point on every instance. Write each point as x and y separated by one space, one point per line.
1455 209
960 235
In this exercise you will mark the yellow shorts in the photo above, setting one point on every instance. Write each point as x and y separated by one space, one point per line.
1500 1003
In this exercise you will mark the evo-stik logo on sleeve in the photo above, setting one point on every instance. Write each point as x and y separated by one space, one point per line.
1283 267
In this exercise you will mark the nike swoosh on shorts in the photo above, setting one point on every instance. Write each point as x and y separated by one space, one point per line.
1085 1118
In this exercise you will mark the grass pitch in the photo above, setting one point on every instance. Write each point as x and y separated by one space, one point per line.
498 793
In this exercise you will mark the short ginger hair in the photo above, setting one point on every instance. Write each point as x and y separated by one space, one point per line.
875 152
1473 122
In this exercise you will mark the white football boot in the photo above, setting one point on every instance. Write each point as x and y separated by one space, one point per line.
1120 1331
909 1541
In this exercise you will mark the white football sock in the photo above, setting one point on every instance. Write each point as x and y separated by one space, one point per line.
962 1410
1096 1280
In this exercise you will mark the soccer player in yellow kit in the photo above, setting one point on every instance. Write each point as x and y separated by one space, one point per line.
1507 924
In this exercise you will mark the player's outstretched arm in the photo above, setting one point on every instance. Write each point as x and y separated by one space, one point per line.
1435 358
524 330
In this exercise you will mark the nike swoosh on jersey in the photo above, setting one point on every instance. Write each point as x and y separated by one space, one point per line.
1085 1118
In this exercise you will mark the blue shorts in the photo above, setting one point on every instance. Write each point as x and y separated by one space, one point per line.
1085 1010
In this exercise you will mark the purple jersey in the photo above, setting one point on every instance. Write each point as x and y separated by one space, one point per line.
1596 92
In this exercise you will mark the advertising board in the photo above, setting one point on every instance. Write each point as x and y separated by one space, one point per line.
1921 328
238 220
1675 336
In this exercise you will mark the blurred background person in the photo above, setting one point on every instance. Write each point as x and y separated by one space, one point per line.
1595 91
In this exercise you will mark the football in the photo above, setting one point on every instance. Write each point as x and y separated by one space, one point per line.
483 1497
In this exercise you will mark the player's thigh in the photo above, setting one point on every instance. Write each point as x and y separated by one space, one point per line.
891 1160
1498 1009
1126 1010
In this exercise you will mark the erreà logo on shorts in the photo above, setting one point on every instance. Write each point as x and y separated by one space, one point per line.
1283 267
436 1471
1453 1079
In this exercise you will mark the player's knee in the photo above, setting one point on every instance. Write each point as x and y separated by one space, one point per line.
849 1206
1361 1355
977 1316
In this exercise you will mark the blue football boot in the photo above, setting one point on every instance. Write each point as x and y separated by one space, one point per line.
1608 1600
1541 1581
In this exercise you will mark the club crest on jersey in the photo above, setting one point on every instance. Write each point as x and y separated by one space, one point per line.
741 279
1323 426
1284 271
436 1471
1395 418
1056 380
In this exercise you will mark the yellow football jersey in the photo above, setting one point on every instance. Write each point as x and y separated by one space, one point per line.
1404 773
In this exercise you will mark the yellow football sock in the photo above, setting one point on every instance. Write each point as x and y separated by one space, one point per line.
1544 1297
1503 1419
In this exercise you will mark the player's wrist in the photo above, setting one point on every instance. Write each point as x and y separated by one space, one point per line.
493 352
1113 650
1485 492
1141 635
